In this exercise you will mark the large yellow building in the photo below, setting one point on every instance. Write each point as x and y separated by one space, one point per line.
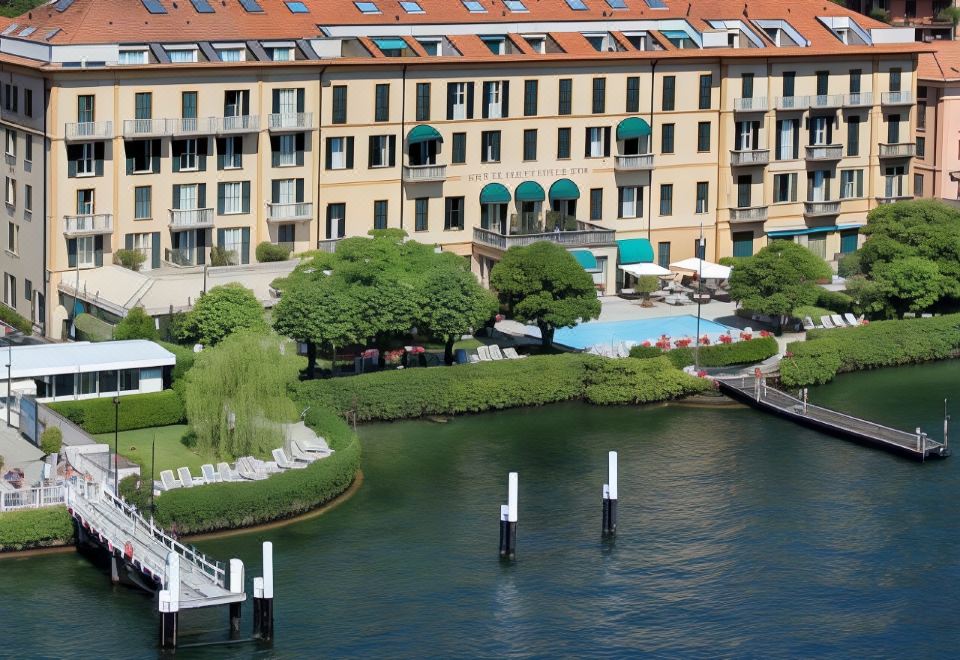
185 128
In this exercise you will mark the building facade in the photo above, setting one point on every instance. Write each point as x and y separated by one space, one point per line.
471 125
937 167
923 15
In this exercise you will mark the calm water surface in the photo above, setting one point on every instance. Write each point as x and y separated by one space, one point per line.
740 535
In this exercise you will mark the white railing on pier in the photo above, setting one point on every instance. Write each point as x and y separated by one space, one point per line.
31 498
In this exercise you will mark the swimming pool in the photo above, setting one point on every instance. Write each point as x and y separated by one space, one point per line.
611 333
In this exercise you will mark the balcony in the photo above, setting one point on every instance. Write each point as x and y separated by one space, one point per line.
184 257
749 157
424 173
89 224
894 189
187 126
898 150
748 214
634 163
290 212
184 219
788 103
860 100
290 122
238 124
893 199
146 128
585 234
826 101
896 98
88 130
820 209
755 104
824 152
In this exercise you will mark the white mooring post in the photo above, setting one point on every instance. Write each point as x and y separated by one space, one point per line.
257 605
919 438
610 496
236 587
508 519
170 602
946 424
266 595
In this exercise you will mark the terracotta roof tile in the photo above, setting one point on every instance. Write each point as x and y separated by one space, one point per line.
942 64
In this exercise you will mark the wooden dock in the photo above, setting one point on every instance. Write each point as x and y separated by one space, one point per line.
755 392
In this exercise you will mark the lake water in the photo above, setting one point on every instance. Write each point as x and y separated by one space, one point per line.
740 535
612 333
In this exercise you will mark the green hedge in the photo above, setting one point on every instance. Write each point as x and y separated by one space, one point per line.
716 355
619 382
879 344
137 411
90 328
35 528
10 317
289 493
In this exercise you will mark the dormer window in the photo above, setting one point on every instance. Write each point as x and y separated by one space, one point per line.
182 54
596 40
280 53
637 39
537 42
430 46
497 45
392 46
133 56
231 53
679 38
774 35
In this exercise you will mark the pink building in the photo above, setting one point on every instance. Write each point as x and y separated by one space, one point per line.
922 14
937 163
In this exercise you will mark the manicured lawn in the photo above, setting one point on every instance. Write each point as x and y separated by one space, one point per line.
171 452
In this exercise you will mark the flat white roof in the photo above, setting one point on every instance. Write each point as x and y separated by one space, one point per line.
79 357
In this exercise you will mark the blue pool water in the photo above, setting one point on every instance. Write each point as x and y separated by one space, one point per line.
586 335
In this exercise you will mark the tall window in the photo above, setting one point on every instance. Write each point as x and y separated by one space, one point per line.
784 188
855 76
896 79
380 214
530 93
339 104
744 191
563 143
340 153
851 184
743 244
530 144
495 99
382 103
703 196
336 220
853 136
668 102
421 218
423 101
231 198
921 147
458 153
188 105
597 142
566 97
789 80
230 154
788 139
703 136
599 95
459 100
631 202
85 108
453 213
823 83
143 105
893 129
663 254
633 94
666 138
706 91
382 151
142 203
596 203
490 147
746 85
666 199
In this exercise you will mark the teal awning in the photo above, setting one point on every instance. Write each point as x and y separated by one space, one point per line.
423 133
494 193
564 189
586 259
529 191
634 251
390 44
632 127
804 231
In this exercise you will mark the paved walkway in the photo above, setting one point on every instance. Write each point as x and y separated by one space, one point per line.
17 452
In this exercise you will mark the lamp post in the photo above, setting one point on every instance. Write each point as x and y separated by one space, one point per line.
116 446
701 254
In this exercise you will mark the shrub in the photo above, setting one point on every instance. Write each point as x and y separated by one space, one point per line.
129 259
137 411
222 257
643 352
835 301
11 318
185 358
137 324
232 505
90 328
618 382
223 309
880 344
880 14
849 265
717 355
51 440
35 528
136 490
267 251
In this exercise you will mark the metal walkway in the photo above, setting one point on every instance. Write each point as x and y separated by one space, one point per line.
145 547
756 393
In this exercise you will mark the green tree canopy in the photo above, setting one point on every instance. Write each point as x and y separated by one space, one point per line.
543 284
777 279
912 284
137 324
222 310
453 302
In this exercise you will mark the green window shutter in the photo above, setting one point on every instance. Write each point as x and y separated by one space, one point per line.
470 100
328 155
350 153
72 252
128 241
72 161
300 142
300 100
274 150
276 101
221 237
129 159
203 146
98 251
176 196
176 148
299 193
201 246
221 147
505 98
202 195
155 252
245 196
393 150
370 147
274 191
220 198
98 158
155 152
245 245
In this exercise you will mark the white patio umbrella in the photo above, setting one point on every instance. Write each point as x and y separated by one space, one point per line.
641 269
707 269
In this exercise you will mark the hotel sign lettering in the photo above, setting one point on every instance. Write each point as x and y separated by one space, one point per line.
544 173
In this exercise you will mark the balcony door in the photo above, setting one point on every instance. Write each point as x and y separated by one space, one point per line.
636 146
236 103
567 208
744 190
423 153
818 186
493 217
85 202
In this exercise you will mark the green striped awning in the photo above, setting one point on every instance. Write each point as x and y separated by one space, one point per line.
586 259
805 231
632 127
529 191
423 133
564 189
494 193
390 44
634 251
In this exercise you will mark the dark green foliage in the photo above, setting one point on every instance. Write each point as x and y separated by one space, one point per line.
90 328
137 411
51 440
267 251
136 490
629 381
716 355
137 324
835 301
222 310
129 259
185 357
880 344
233 505
849 265
35 528
222 257
11 318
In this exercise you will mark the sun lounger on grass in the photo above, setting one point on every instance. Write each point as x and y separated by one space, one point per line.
210 475
168 480
495 352
808 323
851 319
186 478
511 353
827 323
227 474
248 470
298 453
484 354
285 463
838 321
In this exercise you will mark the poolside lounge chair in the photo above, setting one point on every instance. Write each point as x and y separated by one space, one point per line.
226 474
838 321
483 352
495 352
808 323
926 316
248 470
300 454
285 463
210 475
851 319
511 353
827 323
186 478
169 481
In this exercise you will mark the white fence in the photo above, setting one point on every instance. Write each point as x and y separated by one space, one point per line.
31 498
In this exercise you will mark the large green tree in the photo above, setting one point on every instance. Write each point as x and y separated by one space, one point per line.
777 279
137 324
544 284
220 311
912 284
453 302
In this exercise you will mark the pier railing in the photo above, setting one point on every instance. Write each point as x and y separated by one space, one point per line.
31 498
